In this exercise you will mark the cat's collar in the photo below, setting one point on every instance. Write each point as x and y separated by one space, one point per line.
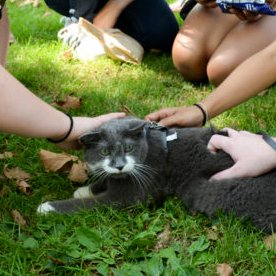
167 136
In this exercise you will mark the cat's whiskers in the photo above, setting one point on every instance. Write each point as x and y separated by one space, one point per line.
99 175
137 180
150 173
144 175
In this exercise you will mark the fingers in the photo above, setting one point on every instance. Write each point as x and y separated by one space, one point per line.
234 133
226 174
208 4
115 115
245 14
231 132
157 116
106 117
236 171
218 142
170 121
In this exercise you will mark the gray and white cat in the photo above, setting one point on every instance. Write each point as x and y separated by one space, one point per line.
132 161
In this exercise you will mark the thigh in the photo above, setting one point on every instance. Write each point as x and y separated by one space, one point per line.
204 29
246 39
151 22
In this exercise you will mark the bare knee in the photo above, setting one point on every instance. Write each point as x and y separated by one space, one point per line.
189 59
218 68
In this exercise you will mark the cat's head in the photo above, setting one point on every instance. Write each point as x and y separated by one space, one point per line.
117 148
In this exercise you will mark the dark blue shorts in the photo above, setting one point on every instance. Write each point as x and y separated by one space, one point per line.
151 22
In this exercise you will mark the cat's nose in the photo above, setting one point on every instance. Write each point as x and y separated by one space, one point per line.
120 168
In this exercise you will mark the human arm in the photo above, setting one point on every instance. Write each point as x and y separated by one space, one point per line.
251 154
23 113
5 35
108 15
246 81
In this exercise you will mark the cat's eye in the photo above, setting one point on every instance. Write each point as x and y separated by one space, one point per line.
105 151
128 148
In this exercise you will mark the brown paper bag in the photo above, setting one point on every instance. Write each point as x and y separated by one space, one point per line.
117 45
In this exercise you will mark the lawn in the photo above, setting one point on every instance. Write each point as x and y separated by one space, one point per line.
152 240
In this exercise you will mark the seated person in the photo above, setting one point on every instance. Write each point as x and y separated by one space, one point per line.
151 23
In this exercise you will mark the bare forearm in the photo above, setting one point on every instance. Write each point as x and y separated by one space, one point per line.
108 15
22 113
247 80
4 36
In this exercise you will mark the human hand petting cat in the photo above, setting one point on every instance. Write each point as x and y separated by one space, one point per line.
251 154
185 116
83 125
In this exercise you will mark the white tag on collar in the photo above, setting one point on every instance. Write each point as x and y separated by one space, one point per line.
171 137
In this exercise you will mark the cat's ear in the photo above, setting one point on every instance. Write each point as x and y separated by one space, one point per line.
137 129
89 138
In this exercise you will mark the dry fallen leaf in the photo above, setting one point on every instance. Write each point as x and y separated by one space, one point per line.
34 3
212 233
62 162
270 242
127 110
16 173
70 102
56 260
24 187
54 162
263 92
17 217
67 55
78 172
11 38
6 155
163 238
224 270
47 13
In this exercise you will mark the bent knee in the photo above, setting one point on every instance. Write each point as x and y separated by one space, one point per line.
219 68
189 59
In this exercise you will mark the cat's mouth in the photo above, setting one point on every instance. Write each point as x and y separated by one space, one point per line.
119 175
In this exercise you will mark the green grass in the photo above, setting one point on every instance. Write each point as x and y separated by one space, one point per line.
107 241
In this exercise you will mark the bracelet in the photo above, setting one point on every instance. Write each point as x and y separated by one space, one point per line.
67 134
268 140
204 111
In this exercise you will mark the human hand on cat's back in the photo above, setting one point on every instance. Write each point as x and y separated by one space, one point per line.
177 116
83 125
251 154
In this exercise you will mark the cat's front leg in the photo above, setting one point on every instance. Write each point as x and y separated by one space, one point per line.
77 204
83 192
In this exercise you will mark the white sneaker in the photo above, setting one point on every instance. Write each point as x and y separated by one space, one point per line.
83 45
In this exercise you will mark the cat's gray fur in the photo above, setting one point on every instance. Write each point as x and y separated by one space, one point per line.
182 169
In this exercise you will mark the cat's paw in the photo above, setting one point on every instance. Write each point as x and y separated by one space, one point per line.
83 192
45 208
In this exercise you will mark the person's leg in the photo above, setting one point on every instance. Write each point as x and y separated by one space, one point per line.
202 32
151 22
243 41
4 36
82 8
61 7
